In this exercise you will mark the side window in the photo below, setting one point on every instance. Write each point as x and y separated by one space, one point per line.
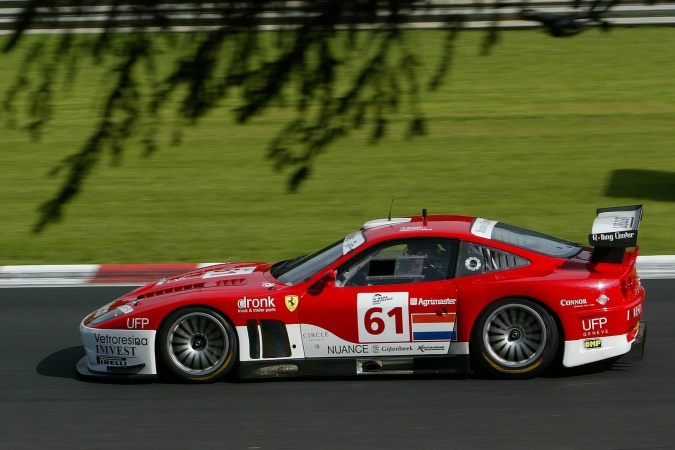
399 262
475 259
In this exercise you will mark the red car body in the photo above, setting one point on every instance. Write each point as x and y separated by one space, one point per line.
479 296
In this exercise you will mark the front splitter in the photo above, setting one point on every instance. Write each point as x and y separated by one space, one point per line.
84 371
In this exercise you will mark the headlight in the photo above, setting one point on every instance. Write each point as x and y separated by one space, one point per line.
100 318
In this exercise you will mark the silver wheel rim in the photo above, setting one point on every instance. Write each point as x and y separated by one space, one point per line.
514 335
197 343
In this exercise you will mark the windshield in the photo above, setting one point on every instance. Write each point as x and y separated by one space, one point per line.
533 241
300 269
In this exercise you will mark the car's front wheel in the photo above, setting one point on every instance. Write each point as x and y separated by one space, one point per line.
514 338
196 345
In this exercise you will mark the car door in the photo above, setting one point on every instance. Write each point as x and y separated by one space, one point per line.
396 298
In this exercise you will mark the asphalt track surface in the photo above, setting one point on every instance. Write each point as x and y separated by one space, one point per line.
43 404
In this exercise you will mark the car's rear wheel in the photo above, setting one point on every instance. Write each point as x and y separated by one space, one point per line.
196 345
514 338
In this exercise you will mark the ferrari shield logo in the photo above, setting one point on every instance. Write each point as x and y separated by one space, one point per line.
291 302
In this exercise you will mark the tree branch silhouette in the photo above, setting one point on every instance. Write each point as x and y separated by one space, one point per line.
227 54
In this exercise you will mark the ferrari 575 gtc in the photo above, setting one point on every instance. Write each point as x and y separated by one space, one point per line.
423 294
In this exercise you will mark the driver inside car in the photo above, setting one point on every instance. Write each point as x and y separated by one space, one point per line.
410 261
433 259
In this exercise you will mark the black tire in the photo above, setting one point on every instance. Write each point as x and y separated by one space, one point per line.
196 345
514 338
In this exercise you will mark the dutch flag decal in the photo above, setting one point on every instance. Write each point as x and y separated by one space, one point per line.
433 327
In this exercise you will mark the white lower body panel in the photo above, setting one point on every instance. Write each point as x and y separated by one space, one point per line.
119 351
589 350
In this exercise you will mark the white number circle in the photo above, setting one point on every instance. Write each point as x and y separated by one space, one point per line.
473 263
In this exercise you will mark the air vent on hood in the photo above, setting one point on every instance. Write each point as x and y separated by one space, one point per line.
231 282
170 290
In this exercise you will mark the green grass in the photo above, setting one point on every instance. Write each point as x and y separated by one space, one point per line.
539 133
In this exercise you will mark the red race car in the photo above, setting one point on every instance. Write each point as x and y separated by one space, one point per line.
423 294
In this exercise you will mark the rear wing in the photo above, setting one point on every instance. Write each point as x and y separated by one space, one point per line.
614 229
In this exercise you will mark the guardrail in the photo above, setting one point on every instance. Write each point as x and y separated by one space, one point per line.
174 15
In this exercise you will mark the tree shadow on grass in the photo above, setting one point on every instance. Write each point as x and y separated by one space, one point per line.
643 184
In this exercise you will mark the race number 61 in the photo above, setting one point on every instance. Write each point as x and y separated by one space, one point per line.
383 317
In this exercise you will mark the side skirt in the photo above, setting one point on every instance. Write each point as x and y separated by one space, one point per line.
331 367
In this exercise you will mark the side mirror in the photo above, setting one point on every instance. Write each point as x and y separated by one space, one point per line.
327 280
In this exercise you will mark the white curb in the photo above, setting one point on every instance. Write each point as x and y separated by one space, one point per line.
656 267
